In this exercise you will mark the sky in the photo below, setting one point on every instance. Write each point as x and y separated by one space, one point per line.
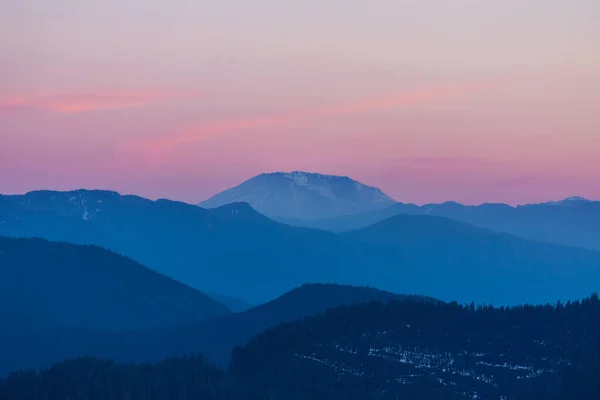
465 100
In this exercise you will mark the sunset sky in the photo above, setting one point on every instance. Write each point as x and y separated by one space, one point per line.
466 100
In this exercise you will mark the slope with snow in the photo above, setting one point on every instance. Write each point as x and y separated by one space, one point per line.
303 195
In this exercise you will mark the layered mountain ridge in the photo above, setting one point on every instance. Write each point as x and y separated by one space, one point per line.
34 346
235 251
574 221
339 204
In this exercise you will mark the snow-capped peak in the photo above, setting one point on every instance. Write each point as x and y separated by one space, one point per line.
569 200
303 195
577 198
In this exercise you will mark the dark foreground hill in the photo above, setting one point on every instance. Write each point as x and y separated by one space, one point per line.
414 350
234 250
430 351
46 284
215 338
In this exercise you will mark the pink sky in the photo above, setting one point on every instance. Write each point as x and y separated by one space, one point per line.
429 100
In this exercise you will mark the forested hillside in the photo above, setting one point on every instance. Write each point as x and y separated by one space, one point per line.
37 346
431 351
399 349
65 285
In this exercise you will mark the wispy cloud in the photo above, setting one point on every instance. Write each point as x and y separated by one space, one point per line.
198 133
69 103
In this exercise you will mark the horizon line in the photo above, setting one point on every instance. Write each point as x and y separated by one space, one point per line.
83 189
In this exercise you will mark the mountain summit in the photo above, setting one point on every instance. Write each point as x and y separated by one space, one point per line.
303 195
575 200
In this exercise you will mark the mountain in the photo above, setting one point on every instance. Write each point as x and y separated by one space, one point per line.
571 222
302 195
569 201
182 241
429 351
45 284
215 338
490 263
377 350
235 251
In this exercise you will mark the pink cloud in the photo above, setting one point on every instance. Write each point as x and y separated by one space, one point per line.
194 134
83 102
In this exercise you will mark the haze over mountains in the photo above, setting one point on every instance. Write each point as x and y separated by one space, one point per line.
241 246
31 345
570 222
56 298
574 221
236 251
316 340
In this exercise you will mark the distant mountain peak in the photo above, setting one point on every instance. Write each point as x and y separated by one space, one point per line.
570 200
576 198
303 195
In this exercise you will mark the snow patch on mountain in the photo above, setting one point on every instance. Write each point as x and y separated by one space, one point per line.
569 201
316 182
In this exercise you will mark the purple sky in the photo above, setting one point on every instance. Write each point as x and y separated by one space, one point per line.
460 100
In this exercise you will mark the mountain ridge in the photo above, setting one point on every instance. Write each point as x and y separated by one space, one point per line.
88 287
215 338
569 222
236 251
384 350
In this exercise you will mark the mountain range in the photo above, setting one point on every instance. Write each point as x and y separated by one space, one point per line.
570 222
123 278
339 204
57 302
233 250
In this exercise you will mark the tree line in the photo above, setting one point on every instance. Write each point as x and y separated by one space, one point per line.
303 360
